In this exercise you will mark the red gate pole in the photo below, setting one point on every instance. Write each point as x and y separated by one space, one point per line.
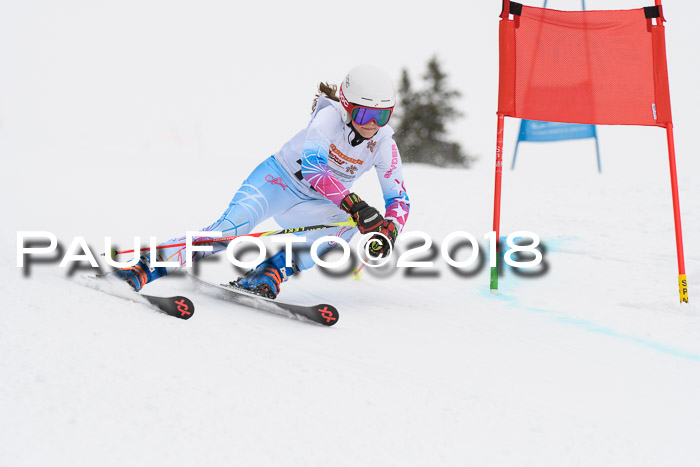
497 202
682 280
661 76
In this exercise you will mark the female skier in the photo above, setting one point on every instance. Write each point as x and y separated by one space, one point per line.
308 181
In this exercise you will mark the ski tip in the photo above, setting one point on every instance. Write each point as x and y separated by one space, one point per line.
327 314
184 307
179 307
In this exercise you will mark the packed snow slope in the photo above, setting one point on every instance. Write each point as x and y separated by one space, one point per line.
588 361
592 363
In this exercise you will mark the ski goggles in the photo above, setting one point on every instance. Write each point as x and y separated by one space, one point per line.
364 115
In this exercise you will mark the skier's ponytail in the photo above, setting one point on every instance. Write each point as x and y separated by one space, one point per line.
327 90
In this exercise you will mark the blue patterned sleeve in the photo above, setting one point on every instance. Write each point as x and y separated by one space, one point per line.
390 175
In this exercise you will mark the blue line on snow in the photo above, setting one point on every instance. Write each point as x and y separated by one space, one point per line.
589 326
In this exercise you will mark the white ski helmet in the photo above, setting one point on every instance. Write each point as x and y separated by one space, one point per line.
367 86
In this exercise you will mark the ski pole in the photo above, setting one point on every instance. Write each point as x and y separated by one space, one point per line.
357 273
293 230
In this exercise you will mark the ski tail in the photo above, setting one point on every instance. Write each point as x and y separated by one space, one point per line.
177 306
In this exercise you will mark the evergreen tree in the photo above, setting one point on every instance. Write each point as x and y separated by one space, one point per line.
423 115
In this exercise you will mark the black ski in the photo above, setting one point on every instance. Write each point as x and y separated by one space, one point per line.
324 314
177 306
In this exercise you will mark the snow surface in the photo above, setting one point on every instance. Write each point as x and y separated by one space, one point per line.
136 131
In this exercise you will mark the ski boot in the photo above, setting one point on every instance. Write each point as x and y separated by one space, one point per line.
266 278
139 274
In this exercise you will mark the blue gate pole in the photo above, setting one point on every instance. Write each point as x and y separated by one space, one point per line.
597 150
515 154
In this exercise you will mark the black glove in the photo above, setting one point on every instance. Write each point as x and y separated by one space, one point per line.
381 245
366 217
